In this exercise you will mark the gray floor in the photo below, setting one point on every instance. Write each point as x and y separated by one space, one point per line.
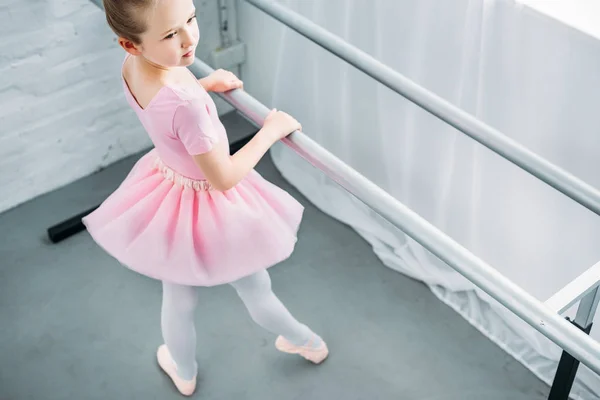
77 325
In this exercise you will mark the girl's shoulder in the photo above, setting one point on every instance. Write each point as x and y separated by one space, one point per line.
146 94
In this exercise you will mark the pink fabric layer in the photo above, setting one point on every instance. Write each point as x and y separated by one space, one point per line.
165 222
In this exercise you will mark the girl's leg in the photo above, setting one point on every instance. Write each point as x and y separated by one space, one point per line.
268 311
178 329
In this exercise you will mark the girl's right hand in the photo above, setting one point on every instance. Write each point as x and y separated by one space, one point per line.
279 125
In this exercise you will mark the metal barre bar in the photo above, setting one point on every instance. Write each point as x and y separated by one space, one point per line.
528 308
501 144
532 311
575 290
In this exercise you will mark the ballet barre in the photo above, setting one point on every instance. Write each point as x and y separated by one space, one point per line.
568 184
537 314
584 289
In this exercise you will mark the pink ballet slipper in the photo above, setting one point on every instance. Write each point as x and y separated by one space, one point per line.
313 354
167 364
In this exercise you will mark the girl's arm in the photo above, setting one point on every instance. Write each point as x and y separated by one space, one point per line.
206 83
223 171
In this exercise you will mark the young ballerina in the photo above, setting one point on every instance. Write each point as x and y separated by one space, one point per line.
189 214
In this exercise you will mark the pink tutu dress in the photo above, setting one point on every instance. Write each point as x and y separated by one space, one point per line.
165 221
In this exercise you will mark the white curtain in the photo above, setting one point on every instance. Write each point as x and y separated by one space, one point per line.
529 76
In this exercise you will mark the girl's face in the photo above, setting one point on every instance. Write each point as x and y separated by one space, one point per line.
172 34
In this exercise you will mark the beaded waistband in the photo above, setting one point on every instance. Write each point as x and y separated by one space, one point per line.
175 177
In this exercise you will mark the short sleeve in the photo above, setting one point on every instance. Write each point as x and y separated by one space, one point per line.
193 126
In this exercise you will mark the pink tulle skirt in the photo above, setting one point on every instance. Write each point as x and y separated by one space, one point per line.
172 228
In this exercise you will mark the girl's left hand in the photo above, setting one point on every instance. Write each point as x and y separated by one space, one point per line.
223 81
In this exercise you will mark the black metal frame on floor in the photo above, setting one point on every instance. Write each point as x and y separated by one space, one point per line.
545 317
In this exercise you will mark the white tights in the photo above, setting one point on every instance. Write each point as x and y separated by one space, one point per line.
179 305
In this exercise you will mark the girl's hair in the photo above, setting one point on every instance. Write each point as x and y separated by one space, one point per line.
124 17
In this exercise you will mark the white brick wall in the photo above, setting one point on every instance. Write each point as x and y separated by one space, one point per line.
62 111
